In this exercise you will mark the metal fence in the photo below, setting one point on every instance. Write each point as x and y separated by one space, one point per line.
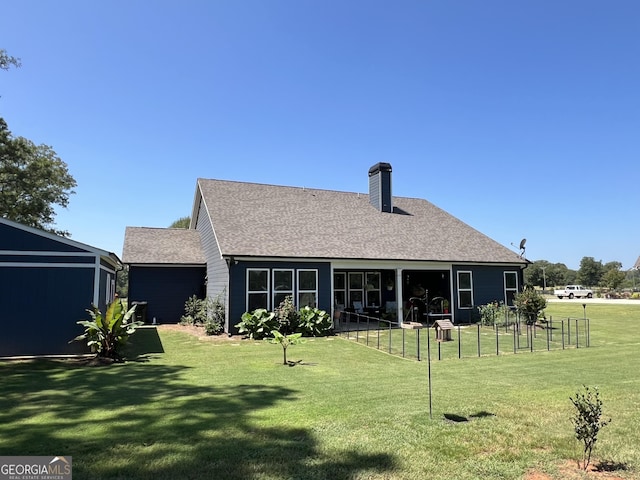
466 340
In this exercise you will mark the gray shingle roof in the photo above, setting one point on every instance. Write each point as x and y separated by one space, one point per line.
252 219
162 246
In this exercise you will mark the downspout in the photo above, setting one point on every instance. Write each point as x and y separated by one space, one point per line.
400 310
96 282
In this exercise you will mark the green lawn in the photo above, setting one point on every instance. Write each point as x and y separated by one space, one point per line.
220 409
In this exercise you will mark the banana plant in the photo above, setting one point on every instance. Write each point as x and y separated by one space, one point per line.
106 334
285 341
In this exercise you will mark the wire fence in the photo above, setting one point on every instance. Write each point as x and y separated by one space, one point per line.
463 341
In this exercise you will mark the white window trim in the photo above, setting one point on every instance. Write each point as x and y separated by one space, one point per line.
249 292
274 292
515 290
465 289
300 290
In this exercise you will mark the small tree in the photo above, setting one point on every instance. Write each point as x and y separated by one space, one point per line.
285 341
530 304
587 420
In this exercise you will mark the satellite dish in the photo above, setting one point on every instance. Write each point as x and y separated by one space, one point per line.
522 243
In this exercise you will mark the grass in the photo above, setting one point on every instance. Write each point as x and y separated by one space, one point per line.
188 408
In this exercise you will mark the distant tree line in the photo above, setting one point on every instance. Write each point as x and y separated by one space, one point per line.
592 273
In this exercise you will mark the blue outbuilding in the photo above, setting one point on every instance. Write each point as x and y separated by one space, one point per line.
46 284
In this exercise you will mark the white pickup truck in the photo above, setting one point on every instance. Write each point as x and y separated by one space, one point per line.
571 291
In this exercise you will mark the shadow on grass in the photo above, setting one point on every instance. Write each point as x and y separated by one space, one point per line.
143 344
452 417
609 466
147 420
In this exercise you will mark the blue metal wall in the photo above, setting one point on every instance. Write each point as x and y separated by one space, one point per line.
165 289
40 308
16 239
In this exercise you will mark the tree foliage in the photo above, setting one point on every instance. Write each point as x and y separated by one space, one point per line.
613 279
7 60
33 181
587 420
546 274
590 271
530 304
182 222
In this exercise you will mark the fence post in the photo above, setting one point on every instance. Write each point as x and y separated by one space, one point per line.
429 363
348 316
497 342
418 341
533 329
548 345
368 324
562 322
577 338
459 344
588 333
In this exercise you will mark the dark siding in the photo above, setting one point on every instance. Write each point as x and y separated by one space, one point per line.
105 279
488 285
16 239
165 289
47 259
237 296
40 308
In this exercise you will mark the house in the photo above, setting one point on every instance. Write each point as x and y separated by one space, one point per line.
166 266
46 284
339 251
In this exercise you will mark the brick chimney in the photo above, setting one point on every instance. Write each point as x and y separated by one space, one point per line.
380 187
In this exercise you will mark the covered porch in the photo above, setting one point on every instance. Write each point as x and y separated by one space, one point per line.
392 294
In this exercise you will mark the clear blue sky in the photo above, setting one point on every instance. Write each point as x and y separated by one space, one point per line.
520 118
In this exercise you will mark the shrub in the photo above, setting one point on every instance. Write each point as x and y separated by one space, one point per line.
490 313
208 312
258 324
587 420
530 304
287 316
213 327
106 335
313 322
195 311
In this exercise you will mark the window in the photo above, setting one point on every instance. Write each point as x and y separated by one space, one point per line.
465 290
356 288
307 288
340 290
267 288
282 286
373 289
257 289
510 287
